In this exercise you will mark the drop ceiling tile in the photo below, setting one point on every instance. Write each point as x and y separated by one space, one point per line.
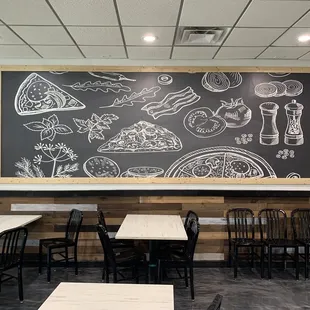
134 35
211 12
191 53
148 52
9 37
52 52
96 35
284 52
98 52
148 12
86 12
17 51
27 12
305 57
253 36
290 38
45 35
239 52
273 13
304 22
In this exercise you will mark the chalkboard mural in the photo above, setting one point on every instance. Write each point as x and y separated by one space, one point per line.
137 124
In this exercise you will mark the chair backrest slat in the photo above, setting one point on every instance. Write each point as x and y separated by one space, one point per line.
301 224
109 255
101 219
189 216
217 302
74 225
192 232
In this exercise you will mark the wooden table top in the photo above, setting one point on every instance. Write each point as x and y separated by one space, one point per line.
110 296
152 227
13 221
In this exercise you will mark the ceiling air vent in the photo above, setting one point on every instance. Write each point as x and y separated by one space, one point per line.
201 35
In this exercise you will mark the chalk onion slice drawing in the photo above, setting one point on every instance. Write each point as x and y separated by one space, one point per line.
265 90
215 81
293 88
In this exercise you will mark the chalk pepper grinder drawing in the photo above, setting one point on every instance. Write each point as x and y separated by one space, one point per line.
269 134
293 133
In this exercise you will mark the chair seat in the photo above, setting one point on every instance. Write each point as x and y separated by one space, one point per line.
174 256
281 243
304 241
56 242
246 242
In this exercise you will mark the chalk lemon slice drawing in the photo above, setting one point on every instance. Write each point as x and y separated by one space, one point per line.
37 95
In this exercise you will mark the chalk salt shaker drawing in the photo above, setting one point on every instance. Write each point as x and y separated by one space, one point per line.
269 134
293 133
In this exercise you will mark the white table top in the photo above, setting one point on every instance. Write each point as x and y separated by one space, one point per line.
103 296
152 227
13 221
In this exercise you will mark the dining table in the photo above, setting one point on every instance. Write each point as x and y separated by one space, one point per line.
14 221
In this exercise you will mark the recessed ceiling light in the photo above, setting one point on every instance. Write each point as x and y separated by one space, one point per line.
304 38
149 38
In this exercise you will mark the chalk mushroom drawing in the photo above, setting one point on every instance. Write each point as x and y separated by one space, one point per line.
142 137
37 95
172 103
49 127
99 86
140 97
142 172
165 79
293 175
111 76
95 125
56 155
220 81
290 88
269 134
244 138
285 154
101 167
221 162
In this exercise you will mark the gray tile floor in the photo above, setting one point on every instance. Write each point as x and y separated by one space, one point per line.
247 292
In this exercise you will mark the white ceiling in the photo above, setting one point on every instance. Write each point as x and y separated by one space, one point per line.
113 29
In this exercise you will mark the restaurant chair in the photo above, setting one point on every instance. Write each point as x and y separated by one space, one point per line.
216 303
12 246
117 262
273 231
241 234
301 231
60 246
181 259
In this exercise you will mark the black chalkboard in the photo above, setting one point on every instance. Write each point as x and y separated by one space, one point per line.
137 124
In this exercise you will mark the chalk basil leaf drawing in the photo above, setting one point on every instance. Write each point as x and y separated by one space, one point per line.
95 125
99 86
49 127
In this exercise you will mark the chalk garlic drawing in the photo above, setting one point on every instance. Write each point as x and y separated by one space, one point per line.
52 154
140 97
220 81
99 86
111 76
95 125
285 154
244 138
164 79
49 127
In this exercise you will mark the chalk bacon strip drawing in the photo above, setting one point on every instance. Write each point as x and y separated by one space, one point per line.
285 154
37 95
221 162
235 79
49 127
203 123
293 88
142 137
165 79
51 155
293 175
215 82
58 72
269 134
172 103
142 172
101 167
95 125
265 90
140 97
278 74
99 86
281 88
111 76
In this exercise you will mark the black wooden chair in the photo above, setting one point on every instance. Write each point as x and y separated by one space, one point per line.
117 262
216 303
12 246
182 259
60 246
301 231
241 234
273 231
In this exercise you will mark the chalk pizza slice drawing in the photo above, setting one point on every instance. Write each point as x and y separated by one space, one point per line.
221 162
37 95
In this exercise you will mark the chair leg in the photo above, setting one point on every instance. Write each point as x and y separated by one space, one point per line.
262 261
135 274
20 283
186 276
48 263
66 258
76 261
107 277
159 271
229 254
297 262
252 257
307 248
191 279
284 257
269 261
114 275
235 261
40 258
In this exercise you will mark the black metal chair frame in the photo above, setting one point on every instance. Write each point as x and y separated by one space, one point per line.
70 240
12 256
216 303
274 239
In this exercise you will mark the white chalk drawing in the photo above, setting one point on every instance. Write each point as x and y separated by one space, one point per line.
290 88
203 123
51 155
285 154
58 72
235 79
265 90
172 103
142 172
99 86
49 127
269 134
37 95
281 88
142 137
293 132
111 76
140 97
235 113
220 81
293 88
244 138
165 79
95 125
278 74
221 162
101 167
293 175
